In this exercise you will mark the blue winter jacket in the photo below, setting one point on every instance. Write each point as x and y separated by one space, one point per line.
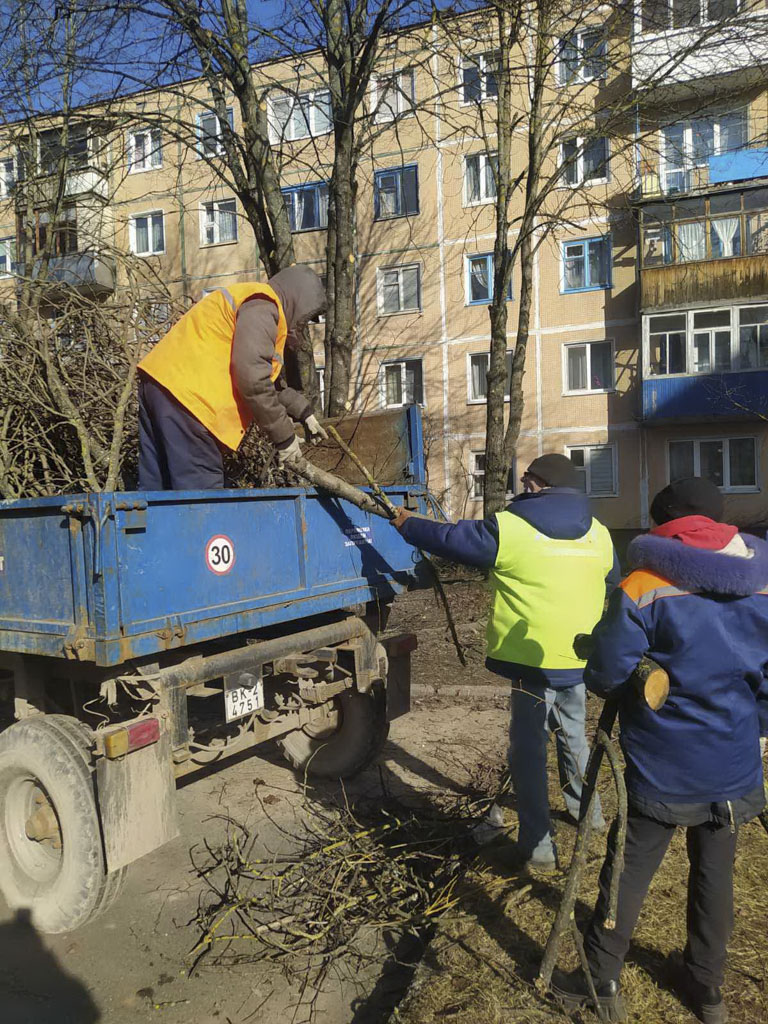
558 512
703 616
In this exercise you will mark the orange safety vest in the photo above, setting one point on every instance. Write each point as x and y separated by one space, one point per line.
193 360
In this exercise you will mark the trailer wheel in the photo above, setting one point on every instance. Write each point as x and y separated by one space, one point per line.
345 743
51 855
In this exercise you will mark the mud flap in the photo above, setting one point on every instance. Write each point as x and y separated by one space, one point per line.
137 802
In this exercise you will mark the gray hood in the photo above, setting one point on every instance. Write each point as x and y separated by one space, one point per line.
301 294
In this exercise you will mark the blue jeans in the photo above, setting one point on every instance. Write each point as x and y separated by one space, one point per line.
537 711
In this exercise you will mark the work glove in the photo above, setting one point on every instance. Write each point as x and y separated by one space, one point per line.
315 432
286 456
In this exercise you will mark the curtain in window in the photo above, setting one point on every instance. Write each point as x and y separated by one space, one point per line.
479 284
304 209
491 166
598 264
602 365
393 384
158 241
595 159
322 112
574 267
733 131
725 242
577 368
142 234
479 369
321 196
388 191
691 241
227 222
473 179
390 292
411 288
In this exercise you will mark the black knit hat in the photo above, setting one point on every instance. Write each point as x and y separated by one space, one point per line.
691 496
555 470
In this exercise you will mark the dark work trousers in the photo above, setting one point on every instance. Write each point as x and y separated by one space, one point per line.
711 850
176 452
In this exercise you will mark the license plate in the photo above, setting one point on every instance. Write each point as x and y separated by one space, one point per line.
243 700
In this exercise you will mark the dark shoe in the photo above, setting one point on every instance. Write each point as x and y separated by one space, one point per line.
706 1002
572 992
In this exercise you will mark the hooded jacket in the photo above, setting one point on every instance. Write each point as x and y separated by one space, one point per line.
703 616
274 405
560 514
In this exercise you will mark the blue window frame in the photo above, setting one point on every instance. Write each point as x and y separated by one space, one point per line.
307 206
587 264
480 280
396 192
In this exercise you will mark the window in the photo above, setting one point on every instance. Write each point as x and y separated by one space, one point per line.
147 233
589 367
582 57
299 117
478 477
307 206
584 161
480 279
753 337
401 383
480 172
7 177
399 289
729 462
209 132
478 373
394 95
58 144
145 150
597 467
8 264
661 15
58 238
688 145
667 343
714 227
478 77
396 193
712 341
587 264
218 222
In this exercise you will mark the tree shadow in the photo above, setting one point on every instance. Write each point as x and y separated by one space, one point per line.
34 989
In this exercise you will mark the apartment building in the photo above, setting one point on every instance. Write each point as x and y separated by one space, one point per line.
648 352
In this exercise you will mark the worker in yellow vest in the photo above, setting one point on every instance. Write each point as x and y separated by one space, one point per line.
550 564
219 369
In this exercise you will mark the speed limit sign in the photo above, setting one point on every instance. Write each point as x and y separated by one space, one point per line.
220 554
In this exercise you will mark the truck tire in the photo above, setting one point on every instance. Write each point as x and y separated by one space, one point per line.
51 854
353 737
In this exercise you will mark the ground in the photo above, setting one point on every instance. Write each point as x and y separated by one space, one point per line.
131 964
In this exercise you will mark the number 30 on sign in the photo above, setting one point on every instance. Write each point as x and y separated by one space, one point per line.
220 554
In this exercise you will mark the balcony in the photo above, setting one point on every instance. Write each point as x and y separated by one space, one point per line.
677 43
88 274
719 396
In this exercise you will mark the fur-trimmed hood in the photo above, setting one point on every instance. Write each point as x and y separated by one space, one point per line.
699 570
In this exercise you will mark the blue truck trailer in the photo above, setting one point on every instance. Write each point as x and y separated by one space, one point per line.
147 635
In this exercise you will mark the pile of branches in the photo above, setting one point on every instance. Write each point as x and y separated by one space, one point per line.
390 870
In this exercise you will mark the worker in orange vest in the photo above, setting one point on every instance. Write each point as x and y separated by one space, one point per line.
219 369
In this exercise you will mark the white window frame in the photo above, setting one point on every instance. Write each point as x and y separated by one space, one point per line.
588 344
690 331
204 221
485 157
725 441
149 214
471 400
689 165
588 449
489 262
476 473
380 271
8 251
153 156
383 381
278 134
664 30
200 155
580 141
8 181
581 78
481 61
392 82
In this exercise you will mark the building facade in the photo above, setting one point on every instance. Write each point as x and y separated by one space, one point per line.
648 351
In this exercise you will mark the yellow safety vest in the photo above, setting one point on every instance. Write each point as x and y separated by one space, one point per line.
193 360
545 592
